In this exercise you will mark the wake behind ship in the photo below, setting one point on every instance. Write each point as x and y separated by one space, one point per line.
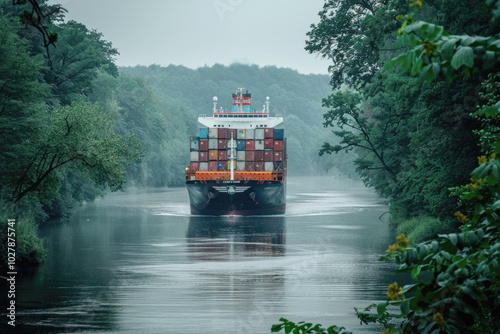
238 162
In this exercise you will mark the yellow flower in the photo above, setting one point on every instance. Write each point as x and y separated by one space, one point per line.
461 217
493 156
385 332
416 3
394 290
393 248
429 47
481 160
438 319
402 240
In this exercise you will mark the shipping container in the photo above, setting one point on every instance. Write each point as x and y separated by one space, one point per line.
259 134
279 134
194 143
232 143
240 144
259 156
194 156
213 155
222 155
194 166
259 166
203 166
250 155
268 143
268 133
231 133
241 134
268 155
204 133
203 156
213 132
259 144
278 145
213 144
278 166
203 144
250 166
249 134
240 166
222 144
240 155
213 166
278 155
228 166
222 165
268 166
222 133
250 145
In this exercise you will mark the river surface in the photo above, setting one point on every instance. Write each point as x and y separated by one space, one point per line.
138 262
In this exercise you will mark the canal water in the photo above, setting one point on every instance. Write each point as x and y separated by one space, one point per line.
139 262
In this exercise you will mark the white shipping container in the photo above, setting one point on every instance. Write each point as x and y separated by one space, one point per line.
268 166
195 156
259 134
213 144
259 144
241 134
240 155
203 166
231 143
213 132
250 134
240 166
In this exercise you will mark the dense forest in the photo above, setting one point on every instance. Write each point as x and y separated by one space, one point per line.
75 126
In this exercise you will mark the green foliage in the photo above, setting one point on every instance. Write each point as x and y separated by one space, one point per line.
306 328
423 228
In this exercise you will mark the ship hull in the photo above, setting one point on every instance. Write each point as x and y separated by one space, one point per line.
237 198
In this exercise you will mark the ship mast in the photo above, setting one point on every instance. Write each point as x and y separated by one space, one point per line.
232 158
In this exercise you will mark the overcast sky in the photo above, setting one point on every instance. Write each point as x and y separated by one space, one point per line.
196 33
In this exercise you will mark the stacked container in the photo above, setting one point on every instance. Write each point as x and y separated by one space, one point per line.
261 149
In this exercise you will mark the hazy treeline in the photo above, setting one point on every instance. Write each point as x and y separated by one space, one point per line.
295 96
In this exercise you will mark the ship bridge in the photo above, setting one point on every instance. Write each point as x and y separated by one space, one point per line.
241 116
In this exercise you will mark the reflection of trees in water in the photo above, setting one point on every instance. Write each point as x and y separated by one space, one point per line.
229 238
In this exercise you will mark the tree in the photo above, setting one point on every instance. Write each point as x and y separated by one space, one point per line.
79 137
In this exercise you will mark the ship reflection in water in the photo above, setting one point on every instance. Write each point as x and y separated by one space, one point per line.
233 238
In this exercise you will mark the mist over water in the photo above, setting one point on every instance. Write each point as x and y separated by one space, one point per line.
139 262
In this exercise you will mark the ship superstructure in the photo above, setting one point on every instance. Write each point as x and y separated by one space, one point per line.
238 162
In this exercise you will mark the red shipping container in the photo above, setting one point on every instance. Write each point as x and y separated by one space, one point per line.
222 144
203 156
278 155
213 166
278 145
268 156
250 166
195 166
213 155
250 145
259 155
222 133
259 166
203 144
250 155
222 165
231 133
222 155
268 133
268 143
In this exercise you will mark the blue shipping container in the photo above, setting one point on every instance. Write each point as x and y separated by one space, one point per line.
204 133
279 134
240 144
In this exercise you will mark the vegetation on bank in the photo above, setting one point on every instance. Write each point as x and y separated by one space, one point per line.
456 275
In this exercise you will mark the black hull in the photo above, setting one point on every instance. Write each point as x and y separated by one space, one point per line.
237 197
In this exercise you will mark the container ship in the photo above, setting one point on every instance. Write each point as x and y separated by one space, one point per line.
238 161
